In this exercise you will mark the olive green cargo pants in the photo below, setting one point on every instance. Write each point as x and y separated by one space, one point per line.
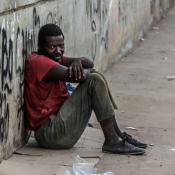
64 129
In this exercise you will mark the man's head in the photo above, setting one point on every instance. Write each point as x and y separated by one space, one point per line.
51 41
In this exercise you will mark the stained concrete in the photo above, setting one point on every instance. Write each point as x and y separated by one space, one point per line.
37 161
145 98
98 29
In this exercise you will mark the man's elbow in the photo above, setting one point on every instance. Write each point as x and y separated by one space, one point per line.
91 64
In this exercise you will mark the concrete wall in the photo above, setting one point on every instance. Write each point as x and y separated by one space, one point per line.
103 30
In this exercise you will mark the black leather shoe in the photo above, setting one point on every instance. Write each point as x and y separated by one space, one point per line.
122 147
133 141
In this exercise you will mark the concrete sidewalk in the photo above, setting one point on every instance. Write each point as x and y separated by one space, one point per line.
143 84
32 160
145 96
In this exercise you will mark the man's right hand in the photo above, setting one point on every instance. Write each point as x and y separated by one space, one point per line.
76 70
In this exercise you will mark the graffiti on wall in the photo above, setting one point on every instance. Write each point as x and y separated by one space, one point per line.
16 42
123 12
97 12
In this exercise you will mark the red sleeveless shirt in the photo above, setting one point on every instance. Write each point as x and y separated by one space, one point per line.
41 99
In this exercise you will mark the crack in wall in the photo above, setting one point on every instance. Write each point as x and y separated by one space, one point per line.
12 10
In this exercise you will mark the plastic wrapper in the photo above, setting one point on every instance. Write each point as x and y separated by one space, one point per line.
82 167
71 87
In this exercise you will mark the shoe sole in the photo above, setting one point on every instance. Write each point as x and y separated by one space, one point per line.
143 147
114 152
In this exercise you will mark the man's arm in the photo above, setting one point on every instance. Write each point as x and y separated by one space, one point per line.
86 62
60 72
76 66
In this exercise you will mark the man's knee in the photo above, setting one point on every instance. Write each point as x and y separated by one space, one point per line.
96 77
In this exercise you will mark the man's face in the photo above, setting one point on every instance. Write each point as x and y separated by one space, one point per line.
54 46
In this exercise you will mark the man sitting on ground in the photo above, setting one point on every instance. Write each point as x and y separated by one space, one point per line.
59 119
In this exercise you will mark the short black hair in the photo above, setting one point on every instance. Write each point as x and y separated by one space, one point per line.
48 30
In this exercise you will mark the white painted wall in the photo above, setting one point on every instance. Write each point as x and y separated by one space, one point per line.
103 30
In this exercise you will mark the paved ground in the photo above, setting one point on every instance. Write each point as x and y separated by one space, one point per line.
32 160
145 97
146 100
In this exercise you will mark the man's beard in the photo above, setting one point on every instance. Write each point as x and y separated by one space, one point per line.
51 56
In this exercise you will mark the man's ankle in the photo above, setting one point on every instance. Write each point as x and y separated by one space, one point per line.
111 141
